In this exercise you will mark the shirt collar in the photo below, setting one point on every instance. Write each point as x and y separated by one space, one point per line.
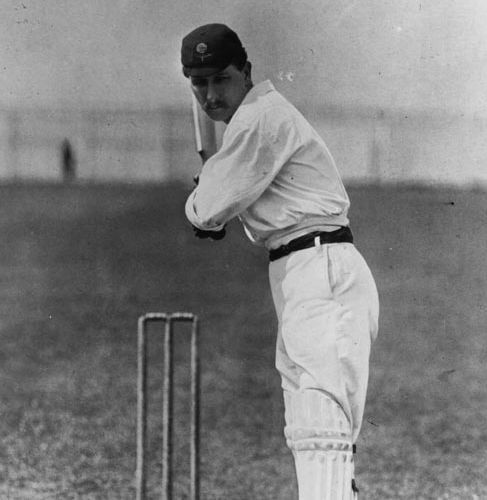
254 93
258 90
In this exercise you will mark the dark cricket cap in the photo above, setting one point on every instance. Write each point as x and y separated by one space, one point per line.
209 49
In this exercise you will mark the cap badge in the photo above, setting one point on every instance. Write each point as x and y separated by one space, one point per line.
202 48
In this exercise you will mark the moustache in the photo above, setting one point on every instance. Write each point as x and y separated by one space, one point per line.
215 105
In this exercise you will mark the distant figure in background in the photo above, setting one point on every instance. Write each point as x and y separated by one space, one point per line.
68 161
275 173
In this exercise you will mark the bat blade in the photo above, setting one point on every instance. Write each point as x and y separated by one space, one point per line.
204 132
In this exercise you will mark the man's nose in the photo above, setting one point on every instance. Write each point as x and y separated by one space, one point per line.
211 93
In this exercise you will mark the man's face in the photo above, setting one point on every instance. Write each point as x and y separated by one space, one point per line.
221 94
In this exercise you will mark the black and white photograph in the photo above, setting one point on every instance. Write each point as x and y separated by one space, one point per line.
243 250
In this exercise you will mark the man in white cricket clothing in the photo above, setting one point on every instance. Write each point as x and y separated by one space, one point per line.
276 175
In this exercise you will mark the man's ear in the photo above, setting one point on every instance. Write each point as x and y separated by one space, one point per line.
247 70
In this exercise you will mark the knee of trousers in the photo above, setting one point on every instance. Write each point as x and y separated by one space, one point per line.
315 421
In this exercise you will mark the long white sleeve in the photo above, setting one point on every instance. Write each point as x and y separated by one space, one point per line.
236 176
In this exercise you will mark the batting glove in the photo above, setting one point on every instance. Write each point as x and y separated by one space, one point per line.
213 235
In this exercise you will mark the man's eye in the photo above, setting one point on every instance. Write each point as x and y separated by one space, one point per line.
198 83
220 79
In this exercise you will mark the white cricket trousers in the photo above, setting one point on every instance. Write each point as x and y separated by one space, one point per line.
327 308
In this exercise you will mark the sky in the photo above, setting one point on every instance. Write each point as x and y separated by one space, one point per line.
428 54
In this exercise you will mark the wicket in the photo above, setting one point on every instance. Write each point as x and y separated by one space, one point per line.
167 401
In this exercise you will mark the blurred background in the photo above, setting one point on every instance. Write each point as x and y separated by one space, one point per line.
396 88
96 161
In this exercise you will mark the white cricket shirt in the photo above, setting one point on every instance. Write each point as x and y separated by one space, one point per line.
273 171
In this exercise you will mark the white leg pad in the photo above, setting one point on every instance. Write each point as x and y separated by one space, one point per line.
320 437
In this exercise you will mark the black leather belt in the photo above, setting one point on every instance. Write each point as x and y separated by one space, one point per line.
342 235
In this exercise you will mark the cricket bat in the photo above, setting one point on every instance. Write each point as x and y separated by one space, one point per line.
204 132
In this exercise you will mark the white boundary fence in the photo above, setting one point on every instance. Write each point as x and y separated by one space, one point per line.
158 145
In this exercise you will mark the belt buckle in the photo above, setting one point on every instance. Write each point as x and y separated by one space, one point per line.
318 242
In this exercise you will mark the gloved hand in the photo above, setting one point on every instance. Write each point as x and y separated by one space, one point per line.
214 235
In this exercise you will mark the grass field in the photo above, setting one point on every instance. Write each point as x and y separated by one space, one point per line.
79 264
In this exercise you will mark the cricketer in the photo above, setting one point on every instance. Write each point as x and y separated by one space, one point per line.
276 174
